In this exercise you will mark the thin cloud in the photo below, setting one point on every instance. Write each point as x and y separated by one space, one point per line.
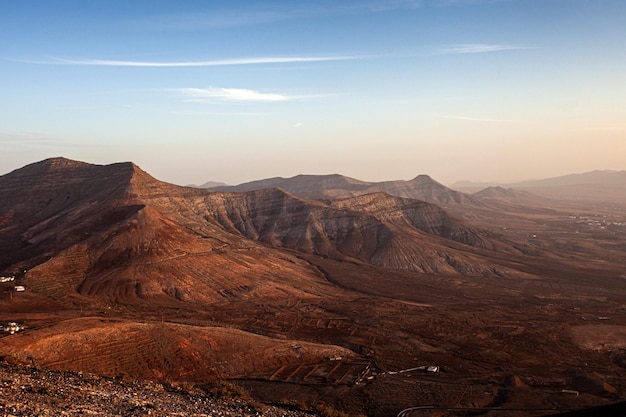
267 13
208 63
477 48
229 94
239 17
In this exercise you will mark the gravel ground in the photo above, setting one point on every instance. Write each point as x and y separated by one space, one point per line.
28 391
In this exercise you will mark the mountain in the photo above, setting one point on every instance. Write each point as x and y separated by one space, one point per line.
305 186
424 188
210 184
475 208
306 301
421 187
597 187
375 228
474 186
598 177
113 240
88 230
116 233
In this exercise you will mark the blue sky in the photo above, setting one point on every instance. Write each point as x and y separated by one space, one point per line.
232 91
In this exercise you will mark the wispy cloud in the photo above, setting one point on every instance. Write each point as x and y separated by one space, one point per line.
267 13
229 94
477 48
207 63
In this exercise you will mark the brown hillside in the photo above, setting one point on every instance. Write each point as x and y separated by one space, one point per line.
343 301
116 232
423 188
160 351
348 228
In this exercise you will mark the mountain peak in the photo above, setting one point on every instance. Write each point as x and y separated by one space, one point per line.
61 180
60 161
60 164
56 163
423 177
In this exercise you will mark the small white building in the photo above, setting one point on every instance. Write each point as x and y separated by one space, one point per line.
20 288
12 328
7 279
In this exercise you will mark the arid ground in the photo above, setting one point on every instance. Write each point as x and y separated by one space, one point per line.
518 305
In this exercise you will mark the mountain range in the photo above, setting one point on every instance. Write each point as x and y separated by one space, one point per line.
263 283
591 187
421 187
108 215
600 186
115 231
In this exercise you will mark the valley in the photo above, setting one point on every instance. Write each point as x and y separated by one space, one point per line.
518 300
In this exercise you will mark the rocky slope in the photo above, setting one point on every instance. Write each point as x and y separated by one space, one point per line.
90 230
366 228
116 232
30 391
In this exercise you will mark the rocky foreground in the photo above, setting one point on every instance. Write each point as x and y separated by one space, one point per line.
28 391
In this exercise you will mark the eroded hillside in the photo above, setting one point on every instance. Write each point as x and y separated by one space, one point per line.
346 300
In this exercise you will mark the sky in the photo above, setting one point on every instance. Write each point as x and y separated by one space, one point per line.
233 91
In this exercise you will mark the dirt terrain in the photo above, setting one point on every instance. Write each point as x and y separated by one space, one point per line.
30 391
514 303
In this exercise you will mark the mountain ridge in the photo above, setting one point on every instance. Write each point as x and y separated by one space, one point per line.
422 187
591 186
587 176
598 186
104 226
89 221
309 299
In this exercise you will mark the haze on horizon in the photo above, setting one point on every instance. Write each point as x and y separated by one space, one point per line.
481 90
